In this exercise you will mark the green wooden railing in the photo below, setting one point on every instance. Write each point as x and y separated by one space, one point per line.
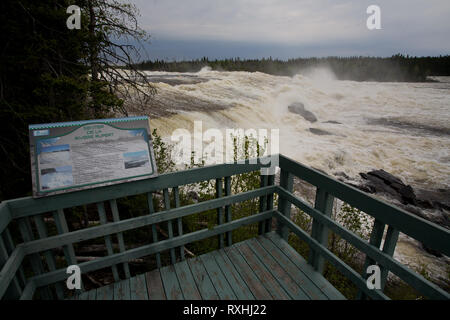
29 265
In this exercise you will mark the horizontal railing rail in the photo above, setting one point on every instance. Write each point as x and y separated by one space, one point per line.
20 210
24 207
411 277
432 235
58 275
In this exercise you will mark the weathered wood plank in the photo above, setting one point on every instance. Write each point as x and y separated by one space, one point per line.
233 277
252 281
264 247
187 283
170 283
155 288
296 265
264 275
122 290
221 284
138 287
287 282
83 296
92 294
105 293
344 268
202 280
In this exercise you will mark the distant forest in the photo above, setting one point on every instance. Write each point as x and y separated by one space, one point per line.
395 68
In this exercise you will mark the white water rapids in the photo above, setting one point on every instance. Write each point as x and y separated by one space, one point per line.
403 128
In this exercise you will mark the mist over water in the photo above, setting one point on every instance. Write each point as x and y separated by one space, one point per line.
402 128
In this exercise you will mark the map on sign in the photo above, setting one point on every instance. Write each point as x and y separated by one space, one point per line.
72 156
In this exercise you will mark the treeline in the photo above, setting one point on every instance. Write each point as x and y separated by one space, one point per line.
395 68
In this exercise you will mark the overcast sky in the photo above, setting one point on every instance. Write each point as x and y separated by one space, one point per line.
187 29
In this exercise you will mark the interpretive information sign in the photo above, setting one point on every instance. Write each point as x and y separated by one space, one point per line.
70 156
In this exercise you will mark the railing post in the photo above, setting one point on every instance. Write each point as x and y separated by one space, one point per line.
390 242
376 237
228 216
324 204
116 218
176 195
151 210
270 182
284 206
169 224
108 239
262 205
219 194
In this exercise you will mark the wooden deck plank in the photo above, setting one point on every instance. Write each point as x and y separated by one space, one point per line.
187 283
122 290
232 275
83 296
106 292
326 287
202 280
170 283
263 247
219 281
138 288
264 275
284 279
155 288
252 281
92 294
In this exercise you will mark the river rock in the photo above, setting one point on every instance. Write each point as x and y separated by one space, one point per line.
299 108
320 132
333 122
382 181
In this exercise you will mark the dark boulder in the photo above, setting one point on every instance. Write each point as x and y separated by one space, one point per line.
320 132
299 108
382 181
